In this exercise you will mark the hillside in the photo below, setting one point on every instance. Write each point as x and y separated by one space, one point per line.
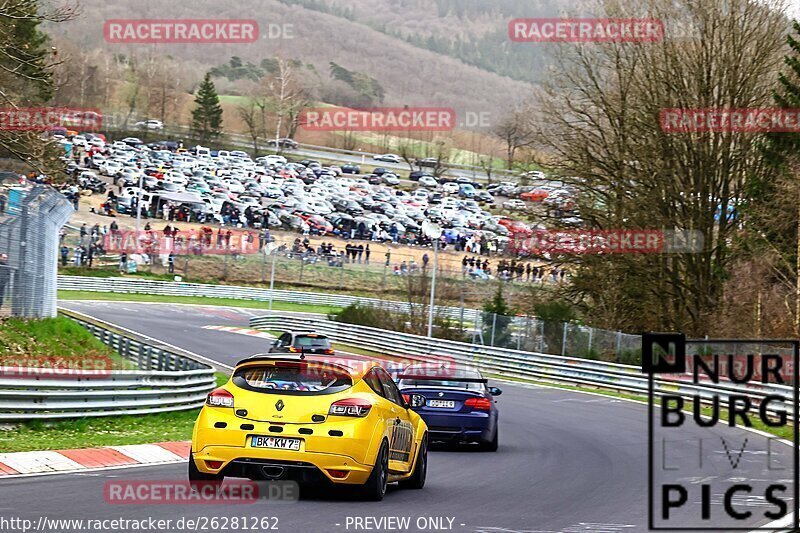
371 36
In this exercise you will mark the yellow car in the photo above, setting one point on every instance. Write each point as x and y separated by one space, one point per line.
289 417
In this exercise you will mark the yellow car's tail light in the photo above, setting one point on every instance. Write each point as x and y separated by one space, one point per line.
220 398
338 474
350 407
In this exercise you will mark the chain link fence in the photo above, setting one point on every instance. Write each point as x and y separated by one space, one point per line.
31 215
558 338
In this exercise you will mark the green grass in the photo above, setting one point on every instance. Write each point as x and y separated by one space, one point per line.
194 300
95 432
102 431
37 343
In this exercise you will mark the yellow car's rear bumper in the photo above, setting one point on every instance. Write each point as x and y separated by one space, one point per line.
295 465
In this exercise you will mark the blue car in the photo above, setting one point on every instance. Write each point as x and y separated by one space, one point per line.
457 405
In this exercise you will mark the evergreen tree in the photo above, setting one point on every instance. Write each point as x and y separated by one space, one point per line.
773 196
497 315
25 61
207 116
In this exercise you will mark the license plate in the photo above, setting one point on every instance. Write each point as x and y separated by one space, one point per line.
445 404
280 443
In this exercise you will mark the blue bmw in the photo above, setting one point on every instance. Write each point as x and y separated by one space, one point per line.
457 407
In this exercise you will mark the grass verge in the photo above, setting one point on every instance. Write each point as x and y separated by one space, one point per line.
102 431
54 342
95 432
195 300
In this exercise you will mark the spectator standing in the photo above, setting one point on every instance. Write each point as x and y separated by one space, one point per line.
366 254
360 251
64 254
171 262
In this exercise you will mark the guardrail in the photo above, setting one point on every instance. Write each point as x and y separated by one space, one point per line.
174 288
165 381
516 364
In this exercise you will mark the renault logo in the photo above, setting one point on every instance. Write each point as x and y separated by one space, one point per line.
279 405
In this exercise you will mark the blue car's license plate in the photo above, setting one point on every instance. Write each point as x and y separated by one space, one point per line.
442 404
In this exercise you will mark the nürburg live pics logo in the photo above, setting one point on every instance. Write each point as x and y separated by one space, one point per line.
708 470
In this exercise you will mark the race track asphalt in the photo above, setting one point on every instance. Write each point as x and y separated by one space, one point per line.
567 461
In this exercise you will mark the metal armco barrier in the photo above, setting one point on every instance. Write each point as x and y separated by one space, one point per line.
165 381
172 288
515 364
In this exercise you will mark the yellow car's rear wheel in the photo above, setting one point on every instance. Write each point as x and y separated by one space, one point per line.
375 487
198 478
417 479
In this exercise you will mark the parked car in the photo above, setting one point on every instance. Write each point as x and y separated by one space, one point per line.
428 181
514 205
351 169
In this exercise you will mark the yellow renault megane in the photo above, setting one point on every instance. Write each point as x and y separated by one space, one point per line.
290 417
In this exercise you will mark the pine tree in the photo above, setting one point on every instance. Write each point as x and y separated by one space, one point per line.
497 316
773 194
207 116
26 53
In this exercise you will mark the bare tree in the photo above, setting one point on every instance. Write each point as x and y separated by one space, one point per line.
252 114
285 97
601 121
517 131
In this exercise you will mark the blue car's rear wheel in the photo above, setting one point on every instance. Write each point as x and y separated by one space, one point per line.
491 446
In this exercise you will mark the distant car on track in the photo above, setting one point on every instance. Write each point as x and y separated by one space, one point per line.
389 158
342 423
456 404
152 124
302 342
284 142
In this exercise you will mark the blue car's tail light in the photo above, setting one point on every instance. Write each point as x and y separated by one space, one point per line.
479 404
